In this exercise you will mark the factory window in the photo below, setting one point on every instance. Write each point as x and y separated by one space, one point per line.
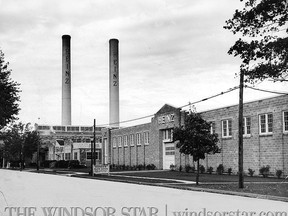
114 142
86 129
131 140
212 127
285 121
168 135
98 139
170 150
266 123
97 155
72 128
59 128
138 139
146 138
67 156
120 141
226 128
125 141
246 126
75 156
43 127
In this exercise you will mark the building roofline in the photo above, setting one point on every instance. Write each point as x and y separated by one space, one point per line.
251 101
121 128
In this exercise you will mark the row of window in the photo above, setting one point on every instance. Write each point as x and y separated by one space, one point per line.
68 128
130 139
265 125
67 156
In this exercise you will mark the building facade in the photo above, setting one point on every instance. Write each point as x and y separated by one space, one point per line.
265 138
71 142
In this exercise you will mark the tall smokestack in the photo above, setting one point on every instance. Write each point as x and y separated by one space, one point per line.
113 83
66 80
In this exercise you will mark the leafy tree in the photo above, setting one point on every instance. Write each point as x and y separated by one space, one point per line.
264 46
13 142
20 142
31 141
195 139
9 94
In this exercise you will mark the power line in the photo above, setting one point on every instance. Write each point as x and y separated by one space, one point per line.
268 91
148 116
208 98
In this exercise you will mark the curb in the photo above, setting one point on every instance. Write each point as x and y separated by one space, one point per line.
234 193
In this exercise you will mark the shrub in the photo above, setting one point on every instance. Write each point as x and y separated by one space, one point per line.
251 172
150 167
16 163
264 171
229 171
210 170
140 167
187 168
172 167
193 169
46 163
201 169
220 169
279 173
62 164
73 164
32 164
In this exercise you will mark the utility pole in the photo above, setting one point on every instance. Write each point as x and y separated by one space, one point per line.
38 152
94 143
240 133
91 158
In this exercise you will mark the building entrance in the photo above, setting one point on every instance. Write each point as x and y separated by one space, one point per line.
168 155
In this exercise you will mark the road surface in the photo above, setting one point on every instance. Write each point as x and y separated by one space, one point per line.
32 194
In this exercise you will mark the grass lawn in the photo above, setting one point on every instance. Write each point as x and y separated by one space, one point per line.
272 189
228 183
204 178
256 185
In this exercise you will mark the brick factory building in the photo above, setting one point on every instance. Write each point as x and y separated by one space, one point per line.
265 131
265 138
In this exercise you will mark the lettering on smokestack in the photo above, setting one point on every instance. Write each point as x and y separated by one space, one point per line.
113 83
66 80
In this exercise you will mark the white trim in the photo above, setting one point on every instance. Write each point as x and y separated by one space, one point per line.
114 142
146 137
138 141
125 140
165 135
245 133
130 140
283 116
267 132
120 140
228 135
212 127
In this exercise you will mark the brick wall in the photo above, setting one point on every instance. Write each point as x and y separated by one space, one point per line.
259 150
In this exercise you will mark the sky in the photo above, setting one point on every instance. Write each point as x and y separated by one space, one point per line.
172 52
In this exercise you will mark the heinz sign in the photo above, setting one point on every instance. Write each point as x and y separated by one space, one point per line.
164 119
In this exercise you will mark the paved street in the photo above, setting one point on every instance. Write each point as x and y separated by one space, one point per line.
24 189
